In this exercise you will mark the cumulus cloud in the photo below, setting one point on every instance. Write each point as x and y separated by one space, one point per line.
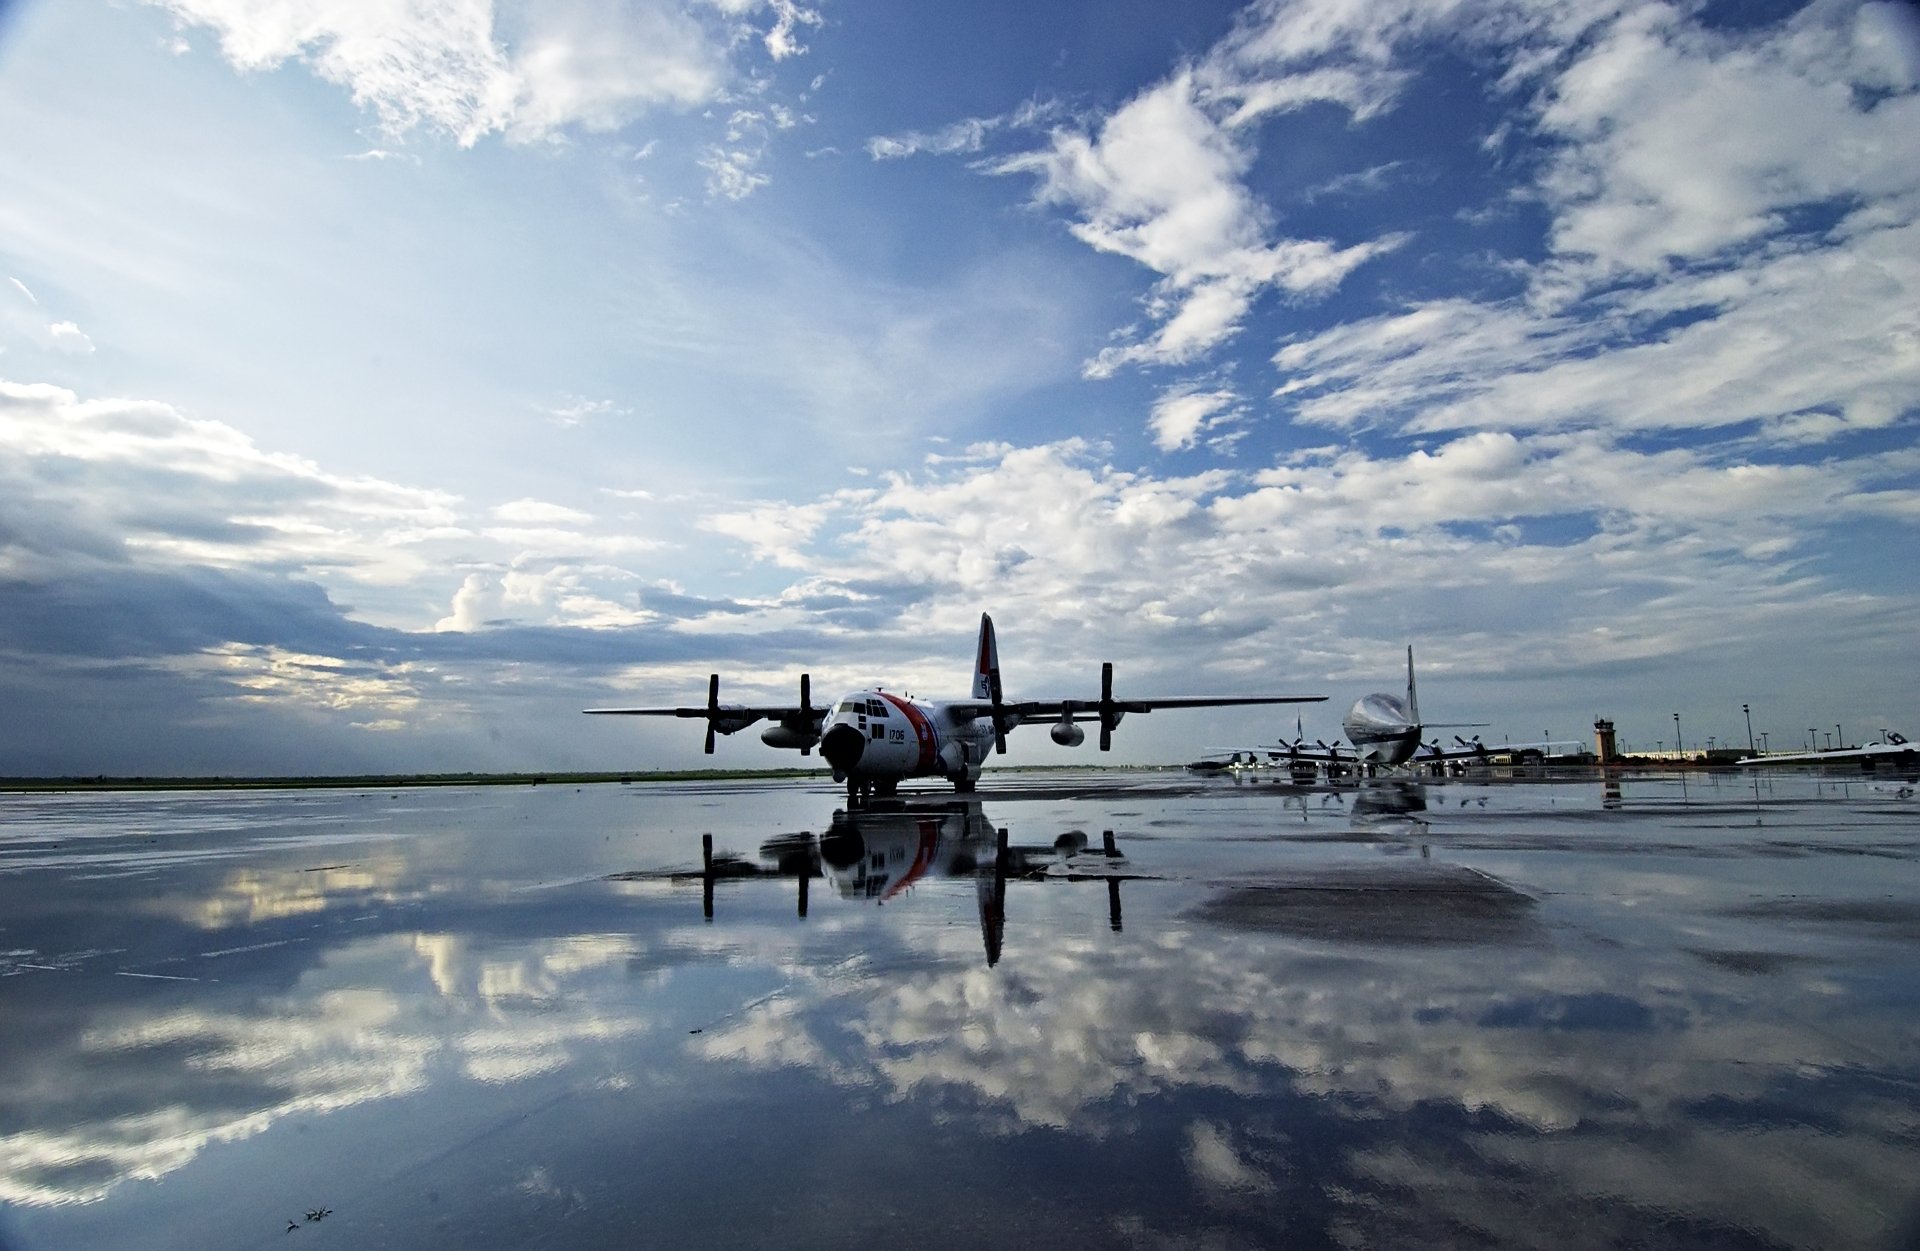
1182 415
1162 183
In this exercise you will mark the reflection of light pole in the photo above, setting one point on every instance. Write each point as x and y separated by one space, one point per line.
1679 747
1748 714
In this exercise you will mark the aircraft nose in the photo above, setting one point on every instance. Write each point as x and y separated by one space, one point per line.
843 746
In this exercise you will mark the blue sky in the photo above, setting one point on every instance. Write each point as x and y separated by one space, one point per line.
379 385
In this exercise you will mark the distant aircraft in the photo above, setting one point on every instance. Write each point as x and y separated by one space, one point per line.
873 739
1892 749
1386 730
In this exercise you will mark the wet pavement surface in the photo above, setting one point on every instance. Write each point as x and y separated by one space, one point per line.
1663 1011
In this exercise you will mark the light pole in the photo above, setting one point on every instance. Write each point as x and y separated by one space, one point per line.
1679 747
1763 743
1748 714
1839 738
1813 739
1829 739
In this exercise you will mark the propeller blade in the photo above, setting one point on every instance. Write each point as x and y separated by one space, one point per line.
806 708
1106 706
713 707
999 717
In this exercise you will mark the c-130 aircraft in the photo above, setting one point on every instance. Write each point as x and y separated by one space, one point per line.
874 739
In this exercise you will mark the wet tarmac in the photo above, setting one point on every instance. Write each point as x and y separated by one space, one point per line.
1667 1011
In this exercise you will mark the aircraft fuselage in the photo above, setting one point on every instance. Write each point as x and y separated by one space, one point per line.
877 738
1382 730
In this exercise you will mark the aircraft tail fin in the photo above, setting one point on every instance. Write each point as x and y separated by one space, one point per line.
1413 698
986 663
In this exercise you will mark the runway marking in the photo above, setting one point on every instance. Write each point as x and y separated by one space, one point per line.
233 951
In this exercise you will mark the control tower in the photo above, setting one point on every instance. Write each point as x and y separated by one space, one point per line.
1604 743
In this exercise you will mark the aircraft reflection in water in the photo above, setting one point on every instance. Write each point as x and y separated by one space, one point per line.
879 853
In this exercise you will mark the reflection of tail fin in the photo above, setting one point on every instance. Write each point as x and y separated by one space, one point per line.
986 663
1413 700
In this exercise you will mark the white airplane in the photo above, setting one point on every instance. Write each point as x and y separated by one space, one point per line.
1386 731
1892 749
873 739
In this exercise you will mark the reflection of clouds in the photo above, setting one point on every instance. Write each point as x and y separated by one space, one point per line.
1433 1065
160 1090
1217 1166
248 896
146 1111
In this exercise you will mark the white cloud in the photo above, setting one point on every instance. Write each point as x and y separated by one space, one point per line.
67 337
1833 329
1161 183
114 476
540 512
733 174
967 135
1679 143
470 68
1182 415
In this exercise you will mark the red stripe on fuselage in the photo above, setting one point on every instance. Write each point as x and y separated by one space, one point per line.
923 731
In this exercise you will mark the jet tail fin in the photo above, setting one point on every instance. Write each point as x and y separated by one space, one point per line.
1413 699
986 663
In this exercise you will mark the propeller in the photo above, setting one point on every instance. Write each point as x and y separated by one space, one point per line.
713 707
999 711
806 709
1109 715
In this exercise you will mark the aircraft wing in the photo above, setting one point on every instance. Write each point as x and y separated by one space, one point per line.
1090 709
800 721
750 712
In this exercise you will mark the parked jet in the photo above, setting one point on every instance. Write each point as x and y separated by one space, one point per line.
873 738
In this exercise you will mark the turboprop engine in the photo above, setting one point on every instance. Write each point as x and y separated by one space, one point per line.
1067 734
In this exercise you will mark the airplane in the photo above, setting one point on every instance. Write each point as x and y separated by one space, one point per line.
1386 731
874 739
1892 749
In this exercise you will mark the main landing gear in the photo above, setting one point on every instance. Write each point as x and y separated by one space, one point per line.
860 792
